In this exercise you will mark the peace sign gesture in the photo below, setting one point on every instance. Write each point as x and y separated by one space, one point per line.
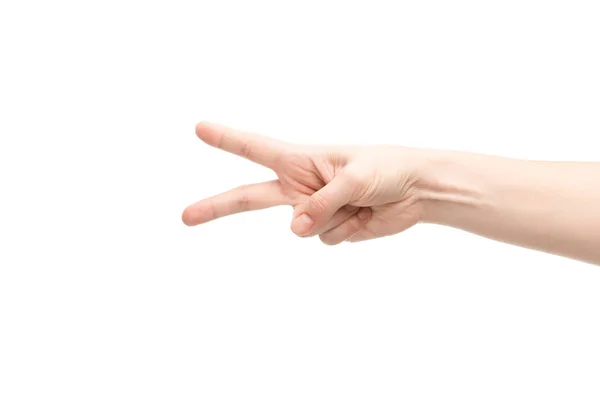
338 193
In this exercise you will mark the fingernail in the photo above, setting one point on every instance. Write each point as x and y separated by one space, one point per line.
302 224
364 214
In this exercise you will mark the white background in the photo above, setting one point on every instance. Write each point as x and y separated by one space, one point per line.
105 294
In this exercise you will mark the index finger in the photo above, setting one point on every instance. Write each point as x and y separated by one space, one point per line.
260 149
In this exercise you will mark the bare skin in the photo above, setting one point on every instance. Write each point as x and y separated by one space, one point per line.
359 193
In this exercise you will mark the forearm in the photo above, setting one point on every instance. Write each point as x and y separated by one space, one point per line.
547 206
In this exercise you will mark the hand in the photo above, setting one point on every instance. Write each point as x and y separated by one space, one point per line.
339 193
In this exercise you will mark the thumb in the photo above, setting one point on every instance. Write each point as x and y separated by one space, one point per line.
313 214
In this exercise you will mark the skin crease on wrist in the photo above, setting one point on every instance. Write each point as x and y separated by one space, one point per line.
357 193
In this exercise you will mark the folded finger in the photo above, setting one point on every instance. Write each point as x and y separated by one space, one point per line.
340 216
316 212
361 236
347 229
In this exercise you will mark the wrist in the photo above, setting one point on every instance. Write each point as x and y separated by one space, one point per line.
449 184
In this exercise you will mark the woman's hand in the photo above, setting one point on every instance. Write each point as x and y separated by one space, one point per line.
339 193
360 193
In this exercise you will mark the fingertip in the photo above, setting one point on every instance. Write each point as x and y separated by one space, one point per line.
186 217
206 132
364 214
203 125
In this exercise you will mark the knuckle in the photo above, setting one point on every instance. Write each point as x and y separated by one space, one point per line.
246 149
222 139
242 201
317 204
211 210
